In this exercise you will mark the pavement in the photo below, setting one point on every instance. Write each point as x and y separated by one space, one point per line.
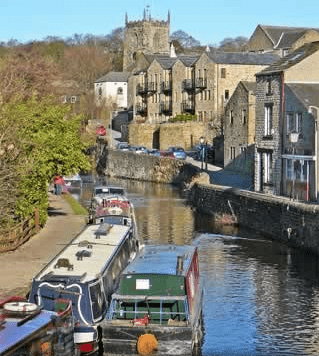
18 267
225 176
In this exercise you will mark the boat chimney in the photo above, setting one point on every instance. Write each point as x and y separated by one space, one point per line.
179 266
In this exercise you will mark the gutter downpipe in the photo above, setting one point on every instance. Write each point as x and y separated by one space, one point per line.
282 77
310 111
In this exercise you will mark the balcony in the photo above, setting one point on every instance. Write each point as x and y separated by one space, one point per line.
141 109
188 84
188 107
166 86
201 83
166 108
152 87
141 89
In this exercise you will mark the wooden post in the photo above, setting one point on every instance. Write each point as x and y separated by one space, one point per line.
36 219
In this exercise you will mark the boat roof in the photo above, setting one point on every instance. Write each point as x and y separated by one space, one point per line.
161 259
12 334
96 244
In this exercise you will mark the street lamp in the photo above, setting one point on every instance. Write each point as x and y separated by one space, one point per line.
293 139
203 149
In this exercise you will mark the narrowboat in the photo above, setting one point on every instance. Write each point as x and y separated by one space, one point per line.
109 200
157 309
87 271
26 329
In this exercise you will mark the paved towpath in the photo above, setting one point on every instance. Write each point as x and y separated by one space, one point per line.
18 267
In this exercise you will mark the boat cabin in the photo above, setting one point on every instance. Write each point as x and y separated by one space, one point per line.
86 271
159 293
26 329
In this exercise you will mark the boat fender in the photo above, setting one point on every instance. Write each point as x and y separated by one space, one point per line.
146 344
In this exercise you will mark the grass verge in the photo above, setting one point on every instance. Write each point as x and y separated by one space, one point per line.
77 208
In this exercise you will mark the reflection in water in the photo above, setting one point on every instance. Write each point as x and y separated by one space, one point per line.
261 297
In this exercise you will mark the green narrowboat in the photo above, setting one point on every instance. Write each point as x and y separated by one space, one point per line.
157 309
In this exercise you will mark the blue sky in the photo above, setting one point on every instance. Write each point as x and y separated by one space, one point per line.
208 21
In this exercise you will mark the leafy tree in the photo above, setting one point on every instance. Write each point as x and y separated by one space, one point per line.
50 143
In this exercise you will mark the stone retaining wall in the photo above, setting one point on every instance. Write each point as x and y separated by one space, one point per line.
144 167
275 217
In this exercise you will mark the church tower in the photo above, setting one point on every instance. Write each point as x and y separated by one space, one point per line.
148 36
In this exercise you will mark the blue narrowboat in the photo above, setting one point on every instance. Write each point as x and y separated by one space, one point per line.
157 309
87 271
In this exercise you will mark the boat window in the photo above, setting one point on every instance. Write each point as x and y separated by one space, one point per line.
97 300
116 191
158 311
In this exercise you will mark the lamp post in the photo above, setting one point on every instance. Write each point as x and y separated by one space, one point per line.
293 139
203 149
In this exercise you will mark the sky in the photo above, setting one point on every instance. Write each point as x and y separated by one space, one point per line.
208 21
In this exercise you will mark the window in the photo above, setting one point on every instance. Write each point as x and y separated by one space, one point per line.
100 91
223 72
243 117
267 156
269 91
268 120
226 94
73 99
231 117
294 122
232 152
119 91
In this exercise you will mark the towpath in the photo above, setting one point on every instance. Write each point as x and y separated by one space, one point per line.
18 267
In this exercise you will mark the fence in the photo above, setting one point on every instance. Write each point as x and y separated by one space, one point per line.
14 237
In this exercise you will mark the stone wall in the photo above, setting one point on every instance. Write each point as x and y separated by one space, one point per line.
184 134
144 167
275 217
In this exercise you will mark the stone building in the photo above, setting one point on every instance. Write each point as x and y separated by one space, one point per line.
281 40
112 89
147 36
199 85
278 113
239 128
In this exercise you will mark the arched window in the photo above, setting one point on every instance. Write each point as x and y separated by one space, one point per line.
119 91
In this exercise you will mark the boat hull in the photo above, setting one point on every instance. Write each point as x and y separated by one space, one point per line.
170 340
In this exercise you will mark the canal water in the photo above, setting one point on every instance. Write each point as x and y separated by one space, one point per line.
261 297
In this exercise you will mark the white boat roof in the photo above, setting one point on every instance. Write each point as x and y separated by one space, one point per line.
100 251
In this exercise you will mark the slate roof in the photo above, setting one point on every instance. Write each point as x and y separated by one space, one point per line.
288 39
291 59
243 58
308 94
250 86
275 32
114 77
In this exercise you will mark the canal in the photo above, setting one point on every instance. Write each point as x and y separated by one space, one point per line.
261 297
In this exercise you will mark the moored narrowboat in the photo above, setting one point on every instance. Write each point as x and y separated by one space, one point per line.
157 308
26 329
87 271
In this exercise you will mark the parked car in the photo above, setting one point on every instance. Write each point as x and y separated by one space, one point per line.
154 152
100 130
178 152
123 146
138 149
167 154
